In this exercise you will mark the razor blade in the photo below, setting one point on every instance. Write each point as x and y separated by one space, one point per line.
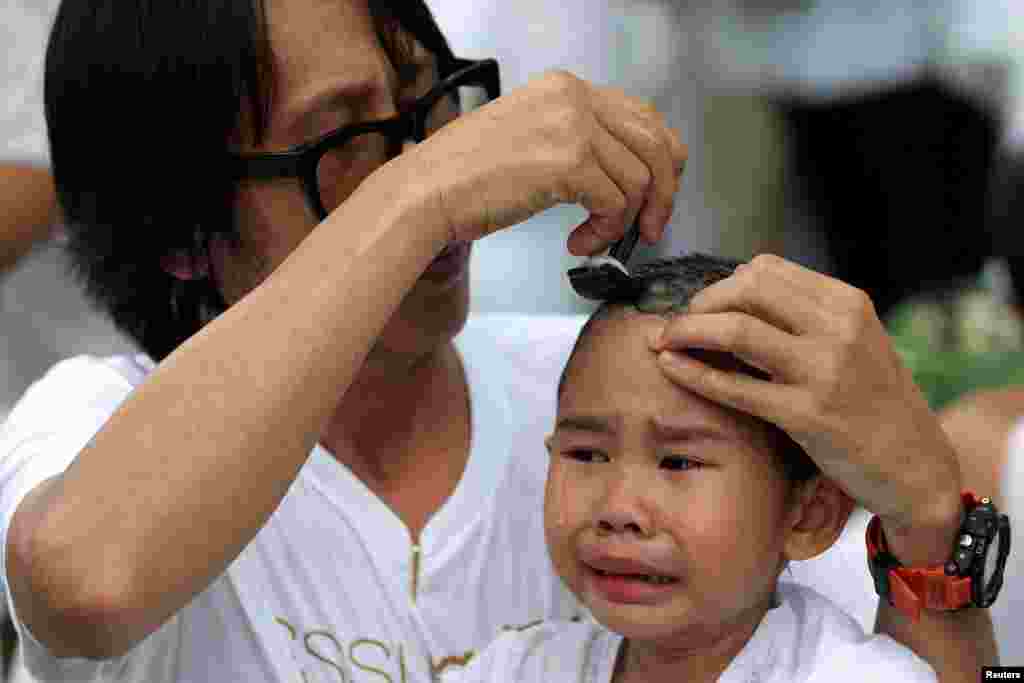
605 277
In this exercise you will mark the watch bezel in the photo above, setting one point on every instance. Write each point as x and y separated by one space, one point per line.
998 527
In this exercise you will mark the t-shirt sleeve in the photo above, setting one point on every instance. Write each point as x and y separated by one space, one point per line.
45 431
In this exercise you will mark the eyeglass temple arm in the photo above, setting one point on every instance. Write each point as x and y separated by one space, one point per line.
268 166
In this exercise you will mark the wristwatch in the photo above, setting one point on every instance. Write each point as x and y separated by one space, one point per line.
971 577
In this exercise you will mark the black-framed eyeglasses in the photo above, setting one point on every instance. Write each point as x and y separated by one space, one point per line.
331 166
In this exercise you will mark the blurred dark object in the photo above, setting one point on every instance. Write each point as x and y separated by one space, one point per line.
970 337
767 9
8 641
898 180
1006 219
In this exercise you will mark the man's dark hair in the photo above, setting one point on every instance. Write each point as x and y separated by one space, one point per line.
665 287
142 101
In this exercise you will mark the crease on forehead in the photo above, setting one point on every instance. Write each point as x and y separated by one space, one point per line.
705 420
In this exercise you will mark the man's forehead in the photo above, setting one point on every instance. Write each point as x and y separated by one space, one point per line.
312 37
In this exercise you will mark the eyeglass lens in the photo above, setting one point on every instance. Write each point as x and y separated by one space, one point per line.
344 167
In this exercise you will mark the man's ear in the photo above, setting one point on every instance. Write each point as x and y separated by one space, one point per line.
183 266
818 512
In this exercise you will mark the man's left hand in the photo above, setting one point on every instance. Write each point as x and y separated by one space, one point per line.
837 387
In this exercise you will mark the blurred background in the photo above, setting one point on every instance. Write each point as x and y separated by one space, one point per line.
862 139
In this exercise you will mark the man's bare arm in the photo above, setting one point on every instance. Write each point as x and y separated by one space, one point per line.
28 210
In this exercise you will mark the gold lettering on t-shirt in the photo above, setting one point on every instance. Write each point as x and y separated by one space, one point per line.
294 633
364 667
401 663
291 629
323 658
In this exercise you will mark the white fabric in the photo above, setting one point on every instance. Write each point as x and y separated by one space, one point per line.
1008 610
806 638
24 28
325 587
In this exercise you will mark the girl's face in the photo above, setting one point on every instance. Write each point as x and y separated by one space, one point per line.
665 513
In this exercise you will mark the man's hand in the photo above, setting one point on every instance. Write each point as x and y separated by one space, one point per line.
557 139
837 387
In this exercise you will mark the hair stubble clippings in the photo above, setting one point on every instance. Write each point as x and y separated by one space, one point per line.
604 278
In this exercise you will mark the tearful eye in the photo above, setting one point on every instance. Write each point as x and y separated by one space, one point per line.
678 462
586 455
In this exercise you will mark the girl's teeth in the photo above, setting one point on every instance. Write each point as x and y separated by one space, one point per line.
658 579
648 578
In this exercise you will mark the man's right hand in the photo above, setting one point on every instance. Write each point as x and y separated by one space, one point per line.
556 140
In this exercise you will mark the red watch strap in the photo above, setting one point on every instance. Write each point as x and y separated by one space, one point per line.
914 589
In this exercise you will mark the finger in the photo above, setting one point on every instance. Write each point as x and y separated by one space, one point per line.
753 341
671 139
775 402
817 286
767 296
607 205
644 135
625 169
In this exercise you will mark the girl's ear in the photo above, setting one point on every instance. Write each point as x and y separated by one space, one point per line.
818 514
183 266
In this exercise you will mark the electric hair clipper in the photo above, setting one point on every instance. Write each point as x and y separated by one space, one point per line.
606 277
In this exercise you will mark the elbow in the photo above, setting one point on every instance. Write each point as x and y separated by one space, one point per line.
76 608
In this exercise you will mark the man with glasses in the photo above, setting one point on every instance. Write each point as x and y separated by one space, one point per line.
307 475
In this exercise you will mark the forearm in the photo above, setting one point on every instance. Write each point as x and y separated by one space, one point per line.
956 644
192 465
28 210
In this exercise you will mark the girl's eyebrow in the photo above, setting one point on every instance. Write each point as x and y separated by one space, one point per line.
586 423
667 429
671 430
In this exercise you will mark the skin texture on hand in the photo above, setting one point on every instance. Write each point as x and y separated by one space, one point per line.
558 139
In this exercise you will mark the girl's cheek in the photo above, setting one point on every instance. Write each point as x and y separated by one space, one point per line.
559 497
568 498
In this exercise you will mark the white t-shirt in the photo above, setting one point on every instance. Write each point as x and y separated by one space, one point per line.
326 587
806 638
